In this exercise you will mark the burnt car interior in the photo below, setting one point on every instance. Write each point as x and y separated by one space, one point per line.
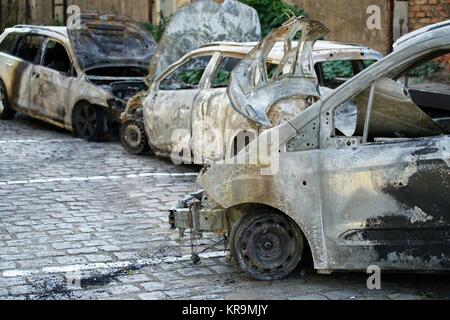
415 104
56 57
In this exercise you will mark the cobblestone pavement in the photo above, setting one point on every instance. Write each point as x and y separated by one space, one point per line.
85 220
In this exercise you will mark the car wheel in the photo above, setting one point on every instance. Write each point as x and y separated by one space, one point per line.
267 246
133 137
6 113
89 122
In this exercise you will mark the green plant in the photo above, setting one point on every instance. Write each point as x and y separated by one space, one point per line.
56 23
337 69
425 70
272 13
191 77
157 30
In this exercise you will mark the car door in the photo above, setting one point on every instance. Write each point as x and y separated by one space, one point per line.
26 53
171 105
209 114
385 201
51 82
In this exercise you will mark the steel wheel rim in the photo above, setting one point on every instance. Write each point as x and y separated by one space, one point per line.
87 121
269 247
133 136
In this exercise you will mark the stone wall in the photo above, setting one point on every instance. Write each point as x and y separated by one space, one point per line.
347 20
425 12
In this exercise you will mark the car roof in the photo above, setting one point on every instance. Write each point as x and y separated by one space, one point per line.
60 32
278 52
419 35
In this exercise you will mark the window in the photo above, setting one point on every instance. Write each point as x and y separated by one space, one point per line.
401 109
334 73
432 74
56 57
188 76
223 74
29 48
9 43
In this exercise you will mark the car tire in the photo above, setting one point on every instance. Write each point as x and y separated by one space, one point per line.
268 246
6 113
134 138
89 122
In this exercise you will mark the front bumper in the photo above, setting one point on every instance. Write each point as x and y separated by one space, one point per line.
199 215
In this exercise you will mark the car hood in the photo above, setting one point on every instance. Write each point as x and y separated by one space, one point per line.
108 40
201 23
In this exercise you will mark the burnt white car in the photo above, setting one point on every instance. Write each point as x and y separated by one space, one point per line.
187 113
378 194
77 77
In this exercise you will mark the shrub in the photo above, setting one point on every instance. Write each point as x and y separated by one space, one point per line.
272 13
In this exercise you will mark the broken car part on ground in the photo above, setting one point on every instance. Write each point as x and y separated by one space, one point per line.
78 78
377 195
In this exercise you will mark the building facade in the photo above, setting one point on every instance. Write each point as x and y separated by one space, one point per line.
55 11
351 19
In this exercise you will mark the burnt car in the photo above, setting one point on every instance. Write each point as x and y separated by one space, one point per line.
77 77
186 115
377 194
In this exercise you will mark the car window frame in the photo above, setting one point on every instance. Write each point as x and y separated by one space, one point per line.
13 49
391 73
30 34
180 64
219 57
72 72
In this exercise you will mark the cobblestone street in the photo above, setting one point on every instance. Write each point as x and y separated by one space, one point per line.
72 210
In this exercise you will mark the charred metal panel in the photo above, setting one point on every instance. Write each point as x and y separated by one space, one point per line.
252 91
203 22
387 204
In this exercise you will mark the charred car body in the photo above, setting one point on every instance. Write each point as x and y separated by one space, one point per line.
375 195
188 116
77 77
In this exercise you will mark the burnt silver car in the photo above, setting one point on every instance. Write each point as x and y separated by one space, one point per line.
77 77
378 194
187 115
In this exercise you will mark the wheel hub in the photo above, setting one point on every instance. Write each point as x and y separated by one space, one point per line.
86 121
267 246
133 136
